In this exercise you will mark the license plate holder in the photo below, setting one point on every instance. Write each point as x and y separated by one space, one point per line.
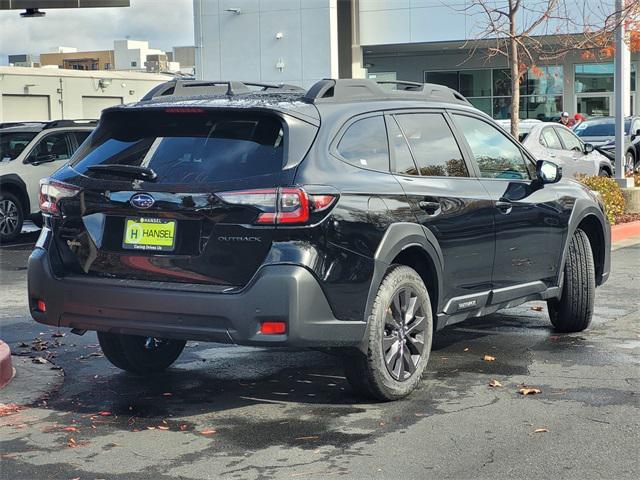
149 234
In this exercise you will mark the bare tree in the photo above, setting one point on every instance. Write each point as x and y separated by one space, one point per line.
527 32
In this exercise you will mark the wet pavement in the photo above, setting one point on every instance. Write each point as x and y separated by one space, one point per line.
252 413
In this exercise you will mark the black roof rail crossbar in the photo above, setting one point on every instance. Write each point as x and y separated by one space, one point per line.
78 122
329 90
189 88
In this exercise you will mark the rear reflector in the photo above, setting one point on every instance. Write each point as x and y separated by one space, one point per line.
273 328
41 306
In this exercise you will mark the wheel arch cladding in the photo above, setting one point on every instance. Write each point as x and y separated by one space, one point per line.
412 245
592 226
418 259
14 185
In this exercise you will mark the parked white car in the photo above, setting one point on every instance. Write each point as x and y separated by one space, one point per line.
30 151
558 144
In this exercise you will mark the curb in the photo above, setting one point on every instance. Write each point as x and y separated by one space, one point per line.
625 231
6 368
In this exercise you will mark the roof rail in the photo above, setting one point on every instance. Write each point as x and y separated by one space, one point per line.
80 122
189 88
334 91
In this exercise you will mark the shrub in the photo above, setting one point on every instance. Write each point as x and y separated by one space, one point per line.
610 193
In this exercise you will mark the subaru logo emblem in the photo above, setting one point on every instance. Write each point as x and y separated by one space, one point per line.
142 200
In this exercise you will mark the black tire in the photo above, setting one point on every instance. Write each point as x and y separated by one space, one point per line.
140 355
407 345
11 216
573 311
112 349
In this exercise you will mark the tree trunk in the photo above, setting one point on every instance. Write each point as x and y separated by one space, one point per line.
515 74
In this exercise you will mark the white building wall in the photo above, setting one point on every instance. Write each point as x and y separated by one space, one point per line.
127 52
123 87
245 45
384 22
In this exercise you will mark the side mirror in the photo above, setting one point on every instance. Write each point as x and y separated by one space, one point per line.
588 148
548 172
42 159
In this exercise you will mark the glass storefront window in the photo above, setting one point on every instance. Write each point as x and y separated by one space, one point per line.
595 106
489 90
598 77
475 83
547 80
449 79
545 108
594 77
482 104
501 83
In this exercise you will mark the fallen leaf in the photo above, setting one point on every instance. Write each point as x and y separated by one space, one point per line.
466 349
536 308
71 443
39 360
488 358
495 383
208 431
529 391
540 430
70 429
8 409
310 437
58 334
167 394
183 427
163 427
104 414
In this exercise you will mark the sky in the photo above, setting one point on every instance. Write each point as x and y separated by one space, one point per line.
164 23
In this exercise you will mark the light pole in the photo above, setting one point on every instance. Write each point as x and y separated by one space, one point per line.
622 94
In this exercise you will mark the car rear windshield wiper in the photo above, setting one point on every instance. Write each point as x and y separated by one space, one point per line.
132 171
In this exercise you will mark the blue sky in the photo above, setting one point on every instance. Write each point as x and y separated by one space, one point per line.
164 23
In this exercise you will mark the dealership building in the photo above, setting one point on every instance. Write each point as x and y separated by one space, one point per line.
302 41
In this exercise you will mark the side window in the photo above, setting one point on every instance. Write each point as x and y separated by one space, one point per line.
51 148
550 139
570 141
433 145
403 161
495 155
81 137
364 144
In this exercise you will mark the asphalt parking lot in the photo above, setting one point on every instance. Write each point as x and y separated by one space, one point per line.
251 413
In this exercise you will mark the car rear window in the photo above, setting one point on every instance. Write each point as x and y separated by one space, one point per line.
186 147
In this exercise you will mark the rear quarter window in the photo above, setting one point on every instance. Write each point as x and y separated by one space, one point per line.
364 144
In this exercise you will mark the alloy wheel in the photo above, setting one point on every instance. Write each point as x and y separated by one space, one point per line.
403 336
629 164
9 217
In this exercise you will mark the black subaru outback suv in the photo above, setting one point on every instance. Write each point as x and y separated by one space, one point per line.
352 216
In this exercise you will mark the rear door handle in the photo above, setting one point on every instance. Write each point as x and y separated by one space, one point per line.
504 206
430 207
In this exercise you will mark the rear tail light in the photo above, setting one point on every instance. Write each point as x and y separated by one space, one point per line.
51 192
280 205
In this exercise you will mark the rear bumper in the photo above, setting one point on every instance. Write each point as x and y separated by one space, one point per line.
286 293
